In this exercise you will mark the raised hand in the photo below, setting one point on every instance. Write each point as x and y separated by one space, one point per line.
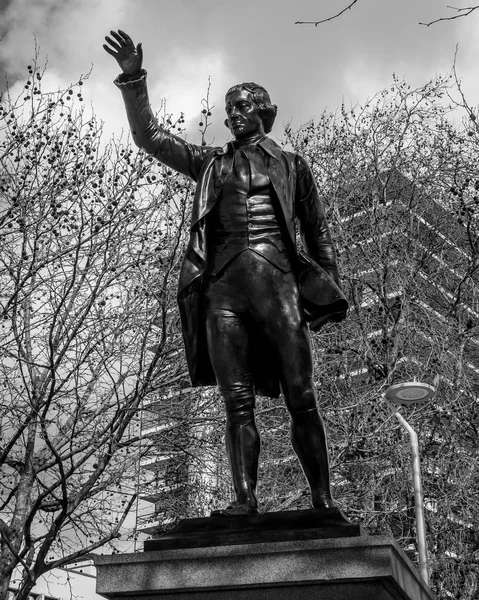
123 50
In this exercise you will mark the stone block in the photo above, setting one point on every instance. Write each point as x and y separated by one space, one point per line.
356 568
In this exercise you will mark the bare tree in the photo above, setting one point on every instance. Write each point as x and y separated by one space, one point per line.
402 185
91 236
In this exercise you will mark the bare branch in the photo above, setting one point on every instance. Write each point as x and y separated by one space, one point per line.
461 12
316 23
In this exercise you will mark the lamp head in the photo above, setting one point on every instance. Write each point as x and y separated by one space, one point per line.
410 392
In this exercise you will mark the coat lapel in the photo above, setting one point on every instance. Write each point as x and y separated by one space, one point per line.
205 195
282 179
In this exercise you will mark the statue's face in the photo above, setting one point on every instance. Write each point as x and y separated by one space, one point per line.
243 114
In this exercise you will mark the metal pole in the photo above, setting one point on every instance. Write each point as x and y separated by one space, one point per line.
418 498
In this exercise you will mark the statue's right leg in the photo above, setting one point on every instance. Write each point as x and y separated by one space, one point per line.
229 354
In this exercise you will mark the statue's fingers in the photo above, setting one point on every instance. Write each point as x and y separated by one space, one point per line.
126 37
118 37
110 51
113 44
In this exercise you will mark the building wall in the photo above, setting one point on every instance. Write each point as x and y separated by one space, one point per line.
75 583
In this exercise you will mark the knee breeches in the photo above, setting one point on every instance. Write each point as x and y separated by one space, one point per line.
252 294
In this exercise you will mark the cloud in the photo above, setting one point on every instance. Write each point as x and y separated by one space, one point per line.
304 68
68 33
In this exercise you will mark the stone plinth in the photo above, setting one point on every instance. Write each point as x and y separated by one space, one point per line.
355 568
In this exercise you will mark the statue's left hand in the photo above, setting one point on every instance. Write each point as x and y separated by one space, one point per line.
123 50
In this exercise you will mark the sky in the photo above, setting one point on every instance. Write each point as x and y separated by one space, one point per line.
306 69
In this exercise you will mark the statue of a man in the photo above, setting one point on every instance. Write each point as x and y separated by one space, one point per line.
243 317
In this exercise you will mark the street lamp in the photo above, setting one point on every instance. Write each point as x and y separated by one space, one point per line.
406 394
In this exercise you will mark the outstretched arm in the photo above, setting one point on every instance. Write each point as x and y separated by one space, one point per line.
147 133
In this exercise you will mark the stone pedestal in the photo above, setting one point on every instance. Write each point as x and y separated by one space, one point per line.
281 526
344 568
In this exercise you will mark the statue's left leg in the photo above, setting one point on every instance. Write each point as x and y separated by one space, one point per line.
281 318
308 437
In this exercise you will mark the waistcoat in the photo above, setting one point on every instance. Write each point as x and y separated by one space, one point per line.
244 217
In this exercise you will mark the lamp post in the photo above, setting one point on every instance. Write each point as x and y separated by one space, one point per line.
405 394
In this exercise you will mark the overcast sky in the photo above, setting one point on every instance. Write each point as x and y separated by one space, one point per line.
305 68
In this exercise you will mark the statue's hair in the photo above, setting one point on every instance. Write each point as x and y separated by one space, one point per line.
261 97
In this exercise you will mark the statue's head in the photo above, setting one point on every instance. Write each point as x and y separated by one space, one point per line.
249 110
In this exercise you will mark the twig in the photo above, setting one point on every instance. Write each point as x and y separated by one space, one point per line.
316 23
205 113
462 12
465 104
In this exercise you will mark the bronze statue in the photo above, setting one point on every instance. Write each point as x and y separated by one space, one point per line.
243 317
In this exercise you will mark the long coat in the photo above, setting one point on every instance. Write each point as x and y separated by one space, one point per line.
293 186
